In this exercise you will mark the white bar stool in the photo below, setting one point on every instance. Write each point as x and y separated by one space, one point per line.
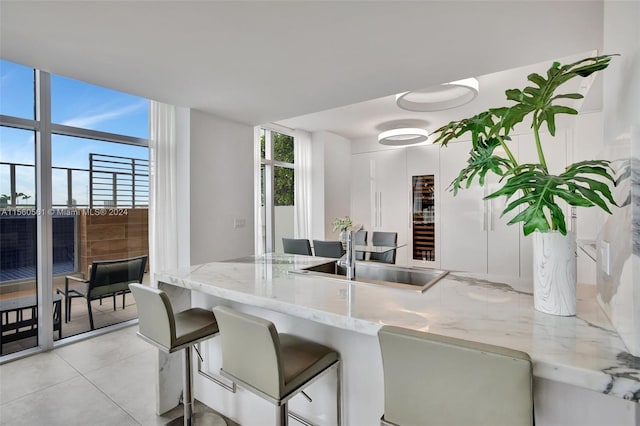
171 332
444 381
274 366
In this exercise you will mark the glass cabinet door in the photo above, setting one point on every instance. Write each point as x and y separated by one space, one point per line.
423 218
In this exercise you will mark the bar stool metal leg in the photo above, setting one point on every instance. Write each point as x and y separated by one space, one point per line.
187 393
190 418
282 415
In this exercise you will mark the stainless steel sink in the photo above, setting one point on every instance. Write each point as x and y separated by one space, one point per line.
416 279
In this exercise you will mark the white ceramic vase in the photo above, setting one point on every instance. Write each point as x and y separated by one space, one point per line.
554 273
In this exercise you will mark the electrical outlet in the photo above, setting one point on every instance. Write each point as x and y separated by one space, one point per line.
605 257
239 223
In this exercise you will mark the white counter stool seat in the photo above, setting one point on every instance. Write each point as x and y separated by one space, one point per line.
436 380
171 332
274 366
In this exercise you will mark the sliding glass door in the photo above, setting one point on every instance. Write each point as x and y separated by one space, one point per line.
18 213
73 190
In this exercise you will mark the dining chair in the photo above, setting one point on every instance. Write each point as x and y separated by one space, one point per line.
360 239
106 278
331 249
296 246
384 239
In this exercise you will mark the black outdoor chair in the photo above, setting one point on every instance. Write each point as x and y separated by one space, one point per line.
106 278
296 246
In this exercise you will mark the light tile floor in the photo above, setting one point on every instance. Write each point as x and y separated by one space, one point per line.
106 380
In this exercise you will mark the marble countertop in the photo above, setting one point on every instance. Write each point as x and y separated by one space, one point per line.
583 351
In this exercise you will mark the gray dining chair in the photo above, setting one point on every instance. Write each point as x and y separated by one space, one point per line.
445 381
331 249
384 239
360 239
296 246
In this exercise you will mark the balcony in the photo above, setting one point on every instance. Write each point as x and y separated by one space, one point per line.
111 223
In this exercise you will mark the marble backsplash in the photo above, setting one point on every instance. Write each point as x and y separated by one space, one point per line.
618 246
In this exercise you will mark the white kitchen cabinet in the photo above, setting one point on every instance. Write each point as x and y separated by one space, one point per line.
362 191
470 233
463 223
379 198
503 241
474 236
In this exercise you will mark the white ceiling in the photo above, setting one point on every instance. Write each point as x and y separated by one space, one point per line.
369 118
264 61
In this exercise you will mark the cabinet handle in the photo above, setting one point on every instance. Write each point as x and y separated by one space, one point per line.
375 211
484 216
373 214
380 209
411 212
490 204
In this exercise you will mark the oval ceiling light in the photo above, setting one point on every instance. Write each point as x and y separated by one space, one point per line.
403 137
438 98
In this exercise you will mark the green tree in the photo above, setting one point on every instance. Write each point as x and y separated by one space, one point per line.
282 151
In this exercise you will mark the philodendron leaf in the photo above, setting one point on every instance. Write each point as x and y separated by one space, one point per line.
568 96
478 125
539 98
481 161
537 191
537 79
548 114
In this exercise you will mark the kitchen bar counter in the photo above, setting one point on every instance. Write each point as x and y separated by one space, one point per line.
583 351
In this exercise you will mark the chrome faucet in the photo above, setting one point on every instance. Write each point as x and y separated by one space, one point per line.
348 259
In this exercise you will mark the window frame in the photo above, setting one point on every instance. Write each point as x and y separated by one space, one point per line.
43 128
269 179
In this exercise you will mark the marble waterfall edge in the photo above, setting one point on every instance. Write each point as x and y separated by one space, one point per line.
554 273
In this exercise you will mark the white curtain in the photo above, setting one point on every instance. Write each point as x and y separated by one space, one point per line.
163 203
302 184
257 193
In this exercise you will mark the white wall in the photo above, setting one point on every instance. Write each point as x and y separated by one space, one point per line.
331 159
221 188
317 186
283 218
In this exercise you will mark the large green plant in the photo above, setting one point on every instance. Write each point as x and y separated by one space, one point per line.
531 185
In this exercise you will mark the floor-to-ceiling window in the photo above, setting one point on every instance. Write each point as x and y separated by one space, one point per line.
73 190
277 190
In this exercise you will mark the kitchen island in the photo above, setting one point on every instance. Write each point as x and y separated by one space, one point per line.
583 372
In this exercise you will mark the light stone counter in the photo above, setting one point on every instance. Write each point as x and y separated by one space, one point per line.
582 351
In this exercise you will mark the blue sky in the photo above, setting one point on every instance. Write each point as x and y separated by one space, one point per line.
73 103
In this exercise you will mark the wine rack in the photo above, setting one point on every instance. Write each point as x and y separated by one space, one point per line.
423 218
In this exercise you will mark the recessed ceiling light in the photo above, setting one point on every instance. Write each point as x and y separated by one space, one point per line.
403 137
438 98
